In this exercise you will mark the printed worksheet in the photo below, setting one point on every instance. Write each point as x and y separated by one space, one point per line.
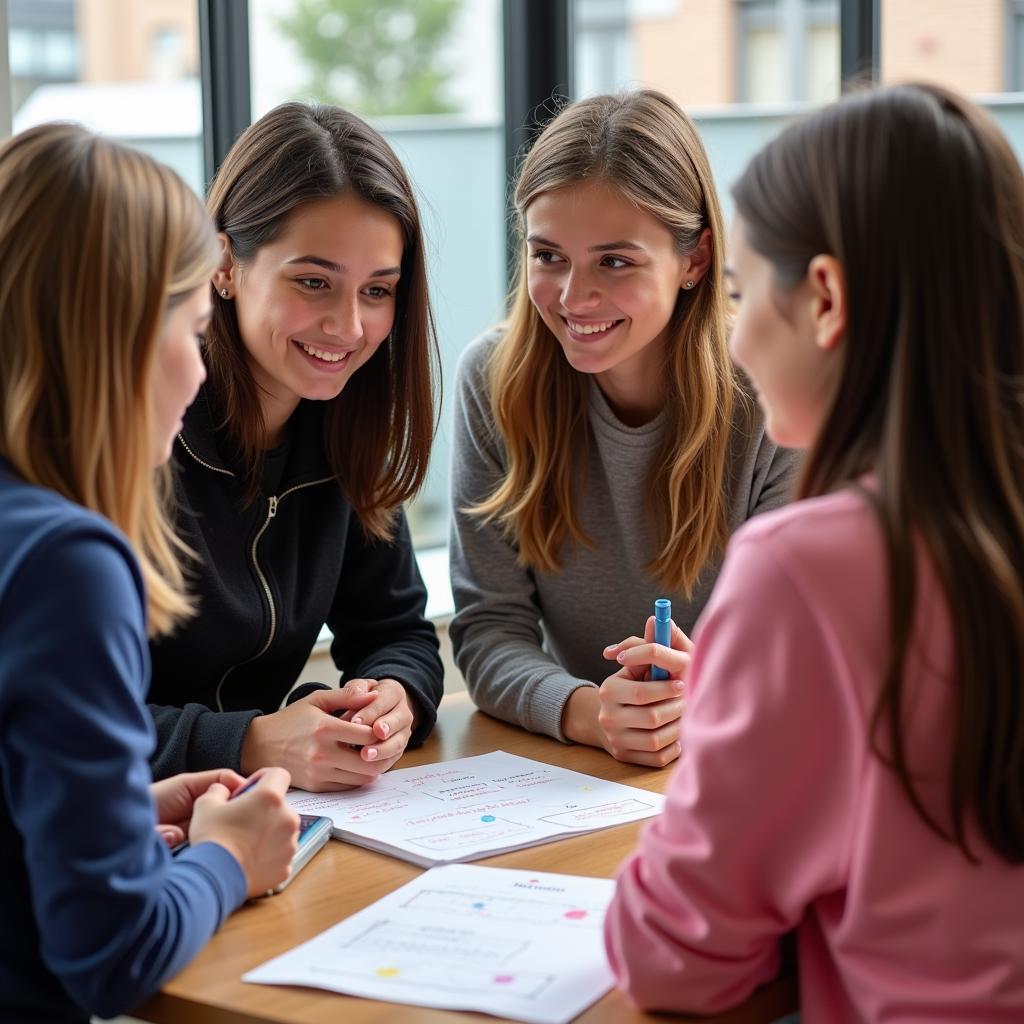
475 807
519 944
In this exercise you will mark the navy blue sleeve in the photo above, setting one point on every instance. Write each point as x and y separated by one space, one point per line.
117 916
380 629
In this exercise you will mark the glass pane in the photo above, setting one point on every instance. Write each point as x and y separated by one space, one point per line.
740 68
973 46
822 65
765 66
127 69
428 75
960 43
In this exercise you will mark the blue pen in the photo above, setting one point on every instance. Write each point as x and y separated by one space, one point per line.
183 846
662 631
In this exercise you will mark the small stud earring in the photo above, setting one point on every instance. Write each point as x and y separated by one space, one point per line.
223 293
689 284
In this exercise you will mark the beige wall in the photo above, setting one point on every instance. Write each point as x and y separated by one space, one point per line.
960 43
118 37
691 54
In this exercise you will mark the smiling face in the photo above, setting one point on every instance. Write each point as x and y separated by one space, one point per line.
604 275
315 304
178 369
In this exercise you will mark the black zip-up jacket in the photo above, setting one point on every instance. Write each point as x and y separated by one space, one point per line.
271 574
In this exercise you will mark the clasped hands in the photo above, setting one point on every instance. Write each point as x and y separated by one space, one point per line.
334 739
634 718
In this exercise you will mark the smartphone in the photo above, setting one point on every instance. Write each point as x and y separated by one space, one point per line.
314 831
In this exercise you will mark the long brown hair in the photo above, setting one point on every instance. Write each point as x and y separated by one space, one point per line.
298 153
97 243
918 194
646 147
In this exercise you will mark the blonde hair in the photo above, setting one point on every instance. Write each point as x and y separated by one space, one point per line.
97 243
646 147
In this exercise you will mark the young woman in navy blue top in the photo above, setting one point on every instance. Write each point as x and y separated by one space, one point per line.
106 259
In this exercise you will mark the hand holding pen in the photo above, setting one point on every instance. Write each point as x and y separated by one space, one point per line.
254 824
640 713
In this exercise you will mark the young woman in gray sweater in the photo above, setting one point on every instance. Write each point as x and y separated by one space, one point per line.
605 448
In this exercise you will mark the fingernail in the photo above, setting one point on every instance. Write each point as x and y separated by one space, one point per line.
371 754
621 656
385 729
357 720
678 685
612 647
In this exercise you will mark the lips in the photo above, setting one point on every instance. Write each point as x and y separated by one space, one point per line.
593 330
325 360
324 355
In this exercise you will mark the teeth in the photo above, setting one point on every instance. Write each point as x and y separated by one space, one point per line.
327 357
591 328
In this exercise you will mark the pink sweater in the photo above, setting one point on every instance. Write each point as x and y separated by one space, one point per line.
779 817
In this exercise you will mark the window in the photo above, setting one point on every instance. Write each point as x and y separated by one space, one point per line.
788 51
123 68
713 58
973 46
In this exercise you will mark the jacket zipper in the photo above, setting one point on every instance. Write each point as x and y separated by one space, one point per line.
216 469
272 503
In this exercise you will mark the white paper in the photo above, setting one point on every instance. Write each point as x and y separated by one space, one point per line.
475 807
520 944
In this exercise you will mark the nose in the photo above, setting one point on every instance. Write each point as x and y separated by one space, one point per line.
579 292
342 321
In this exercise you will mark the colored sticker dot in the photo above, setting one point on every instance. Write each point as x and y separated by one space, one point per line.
479 906
576 915
487 817
388 972
504 979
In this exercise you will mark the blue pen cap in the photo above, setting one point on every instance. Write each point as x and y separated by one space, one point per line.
663 610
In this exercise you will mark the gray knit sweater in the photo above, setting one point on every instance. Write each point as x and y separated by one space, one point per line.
526 639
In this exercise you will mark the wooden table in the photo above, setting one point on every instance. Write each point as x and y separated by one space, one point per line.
342 879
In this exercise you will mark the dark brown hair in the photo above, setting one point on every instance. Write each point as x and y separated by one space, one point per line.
918 194
300 153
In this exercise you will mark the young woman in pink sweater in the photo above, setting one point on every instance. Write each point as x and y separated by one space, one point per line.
853 752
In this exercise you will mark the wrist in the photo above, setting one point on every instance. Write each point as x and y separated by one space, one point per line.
579 716
252 754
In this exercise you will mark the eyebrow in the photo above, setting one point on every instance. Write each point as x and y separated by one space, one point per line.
337 268
603 247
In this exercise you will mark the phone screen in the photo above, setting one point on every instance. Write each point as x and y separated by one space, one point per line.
306 823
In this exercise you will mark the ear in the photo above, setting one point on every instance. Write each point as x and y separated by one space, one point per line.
827 283
698 261
225 277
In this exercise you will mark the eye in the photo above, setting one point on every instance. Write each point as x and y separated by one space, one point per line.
313 284
546 256
378 291
615 262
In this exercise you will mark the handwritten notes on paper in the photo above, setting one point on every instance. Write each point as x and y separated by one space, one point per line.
475 807
519 944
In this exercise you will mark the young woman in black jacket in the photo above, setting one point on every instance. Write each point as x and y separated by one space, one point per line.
291 475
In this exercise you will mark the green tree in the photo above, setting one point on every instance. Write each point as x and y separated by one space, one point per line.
375 56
